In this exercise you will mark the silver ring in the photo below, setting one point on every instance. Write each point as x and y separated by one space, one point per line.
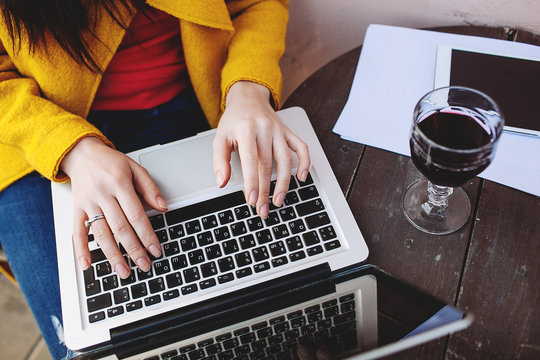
97 217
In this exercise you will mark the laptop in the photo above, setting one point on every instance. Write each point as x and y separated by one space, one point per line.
223 269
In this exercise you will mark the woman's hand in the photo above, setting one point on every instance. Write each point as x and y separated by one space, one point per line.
251 126
105 181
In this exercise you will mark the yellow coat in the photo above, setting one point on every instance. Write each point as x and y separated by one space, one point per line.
45 97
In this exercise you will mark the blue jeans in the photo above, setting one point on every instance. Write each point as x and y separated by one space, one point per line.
26 218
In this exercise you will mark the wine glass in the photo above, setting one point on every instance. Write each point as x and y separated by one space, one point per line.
453 138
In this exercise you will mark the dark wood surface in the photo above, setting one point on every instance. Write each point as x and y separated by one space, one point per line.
490 267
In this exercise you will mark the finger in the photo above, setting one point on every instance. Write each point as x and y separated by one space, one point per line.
264 148
147 187
249 160
222 160
304 353
80 239
302 152
283 157
104 238
136 216
124 233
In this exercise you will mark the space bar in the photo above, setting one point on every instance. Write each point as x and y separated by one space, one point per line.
205 207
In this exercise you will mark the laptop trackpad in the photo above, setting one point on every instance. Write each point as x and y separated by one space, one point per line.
182 168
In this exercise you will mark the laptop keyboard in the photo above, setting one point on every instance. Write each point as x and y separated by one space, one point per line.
330 325
211 243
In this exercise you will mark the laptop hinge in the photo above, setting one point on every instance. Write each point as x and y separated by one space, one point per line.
196 319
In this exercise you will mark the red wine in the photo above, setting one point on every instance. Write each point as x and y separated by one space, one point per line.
459 153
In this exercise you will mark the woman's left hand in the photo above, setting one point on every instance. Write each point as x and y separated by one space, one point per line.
251 126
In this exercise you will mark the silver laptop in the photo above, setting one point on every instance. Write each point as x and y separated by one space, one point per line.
213 243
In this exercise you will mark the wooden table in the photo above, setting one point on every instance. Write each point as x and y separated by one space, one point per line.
489 268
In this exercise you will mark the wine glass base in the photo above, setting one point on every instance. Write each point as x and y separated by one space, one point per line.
435 220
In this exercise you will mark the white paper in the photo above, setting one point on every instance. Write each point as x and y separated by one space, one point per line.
396 68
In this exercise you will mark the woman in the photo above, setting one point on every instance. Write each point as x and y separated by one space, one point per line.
81 82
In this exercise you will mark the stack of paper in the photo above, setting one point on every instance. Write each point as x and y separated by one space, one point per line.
396 68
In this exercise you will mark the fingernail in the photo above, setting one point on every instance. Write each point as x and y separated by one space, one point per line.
304 176
154 250
143 264
83 262
121 270
161 202
253 198
279 199
264 211
220 179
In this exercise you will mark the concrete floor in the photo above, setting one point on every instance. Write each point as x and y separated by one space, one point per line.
20 336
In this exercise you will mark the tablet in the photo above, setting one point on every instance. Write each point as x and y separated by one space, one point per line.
513 82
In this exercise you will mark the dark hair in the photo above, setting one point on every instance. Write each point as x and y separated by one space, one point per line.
66 20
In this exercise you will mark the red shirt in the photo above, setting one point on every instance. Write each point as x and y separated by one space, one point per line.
149 67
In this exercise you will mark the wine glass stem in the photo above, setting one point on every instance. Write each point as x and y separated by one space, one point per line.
438 195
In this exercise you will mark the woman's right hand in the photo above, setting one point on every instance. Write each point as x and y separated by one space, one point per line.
106 181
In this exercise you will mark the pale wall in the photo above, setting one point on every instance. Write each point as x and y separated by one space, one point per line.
320 30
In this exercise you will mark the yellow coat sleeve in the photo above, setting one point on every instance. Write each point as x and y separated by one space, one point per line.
256 46
34 127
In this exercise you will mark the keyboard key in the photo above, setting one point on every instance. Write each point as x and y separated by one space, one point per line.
277 320
327 233
129 280
238 228
143 275
260 253
169 354
299 255
279 261
134 305
204 208
311 238
209 222
156 285
230 246
188 243
263 236
308 192
280 231
226 264
243 259
157 221
255 223
196 257
173 280
272 219
103 268
309 180
162 236
193 227
277 248
242 212
209 269
225 278
222 233
332 245
99 302
162 267
291 198
294 243
247 241
225 217
121 295
189 289
110 282
261 267
97 255
314 250
213 252
179 262
176 231
138 290
191 274
309 207
287 213
115 311
92 318
317 220
243 272
92 287
152 300
205 284
205 238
